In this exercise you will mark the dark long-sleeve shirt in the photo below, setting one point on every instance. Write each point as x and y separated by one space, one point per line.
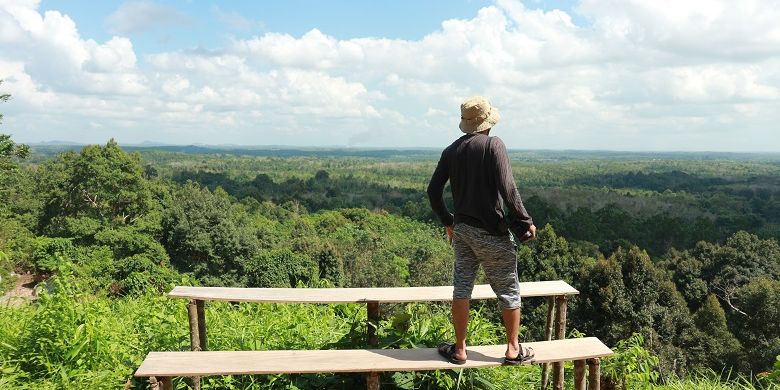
480 176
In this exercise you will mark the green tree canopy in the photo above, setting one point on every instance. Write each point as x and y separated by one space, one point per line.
204 233
102 183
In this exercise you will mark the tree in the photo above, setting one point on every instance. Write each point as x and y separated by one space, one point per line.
729 267
16 193
758 329
627 294
331 265
9 151
18 204
280 268
204 233
686 273
720 348
550 257
102 183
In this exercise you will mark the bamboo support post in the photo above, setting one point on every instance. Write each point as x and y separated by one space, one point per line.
153 384
166 383
548 331
594 374
372 379
200 306
192 311
560 334
373 323
579 375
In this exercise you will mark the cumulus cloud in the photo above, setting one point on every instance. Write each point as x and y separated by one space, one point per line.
136 16
639 75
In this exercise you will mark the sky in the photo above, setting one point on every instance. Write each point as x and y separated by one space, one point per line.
653 75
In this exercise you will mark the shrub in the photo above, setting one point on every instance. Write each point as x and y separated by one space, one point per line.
281 268
632 366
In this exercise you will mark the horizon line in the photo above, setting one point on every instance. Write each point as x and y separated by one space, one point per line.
153 144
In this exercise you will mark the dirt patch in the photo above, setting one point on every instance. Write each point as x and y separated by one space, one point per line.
23 291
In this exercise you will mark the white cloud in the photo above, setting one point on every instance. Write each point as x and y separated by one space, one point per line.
135 16
641 75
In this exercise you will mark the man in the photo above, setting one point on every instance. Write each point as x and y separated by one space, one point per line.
481 181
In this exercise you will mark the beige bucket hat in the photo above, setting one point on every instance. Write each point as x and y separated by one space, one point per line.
476 114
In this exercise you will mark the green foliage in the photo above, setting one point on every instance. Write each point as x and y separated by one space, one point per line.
73 339
774 376
107 225
757 328
742 274
103 183
632 366
10 150
331 265
281 268
208 236
708 379
5 273
47 253
628 294
18 204
720 347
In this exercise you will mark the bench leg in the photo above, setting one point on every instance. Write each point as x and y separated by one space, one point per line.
153 384
560 334
201 309
548 331
594 374
195 313
579 375
166 383
372 379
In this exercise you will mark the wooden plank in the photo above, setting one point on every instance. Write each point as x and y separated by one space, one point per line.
353 360
360 295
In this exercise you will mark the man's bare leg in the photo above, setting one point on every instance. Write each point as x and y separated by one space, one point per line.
460 318
512 324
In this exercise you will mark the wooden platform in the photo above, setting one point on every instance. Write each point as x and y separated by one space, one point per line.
360 295
205 363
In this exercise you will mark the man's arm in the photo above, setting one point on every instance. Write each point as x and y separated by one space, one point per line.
507 187
436 190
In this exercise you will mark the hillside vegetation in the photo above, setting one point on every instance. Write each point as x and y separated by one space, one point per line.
677 261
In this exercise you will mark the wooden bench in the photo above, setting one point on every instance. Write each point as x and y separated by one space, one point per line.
162 366
556 292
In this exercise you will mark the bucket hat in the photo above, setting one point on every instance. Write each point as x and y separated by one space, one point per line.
476 114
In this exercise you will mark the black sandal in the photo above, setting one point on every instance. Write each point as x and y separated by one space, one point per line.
447 350
525 355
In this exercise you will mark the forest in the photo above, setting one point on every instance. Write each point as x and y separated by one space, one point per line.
675 255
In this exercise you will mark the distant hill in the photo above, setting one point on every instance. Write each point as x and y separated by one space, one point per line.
53 147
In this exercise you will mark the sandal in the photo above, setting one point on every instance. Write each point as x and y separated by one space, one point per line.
447 350
526 354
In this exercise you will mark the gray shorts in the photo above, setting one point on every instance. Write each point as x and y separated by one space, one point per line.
498 257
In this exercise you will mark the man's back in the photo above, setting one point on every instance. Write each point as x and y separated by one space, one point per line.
480 176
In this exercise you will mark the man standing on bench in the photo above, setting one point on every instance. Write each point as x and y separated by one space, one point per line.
481 181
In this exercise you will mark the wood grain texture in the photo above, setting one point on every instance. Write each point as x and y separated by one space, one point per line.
206 363
579 375
360 295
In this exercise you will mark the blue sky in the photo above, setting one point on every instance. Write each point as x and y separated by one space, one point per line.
589 74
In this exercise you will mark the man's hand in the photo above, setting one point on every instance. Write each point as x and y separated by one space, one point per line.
450 232
532 230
